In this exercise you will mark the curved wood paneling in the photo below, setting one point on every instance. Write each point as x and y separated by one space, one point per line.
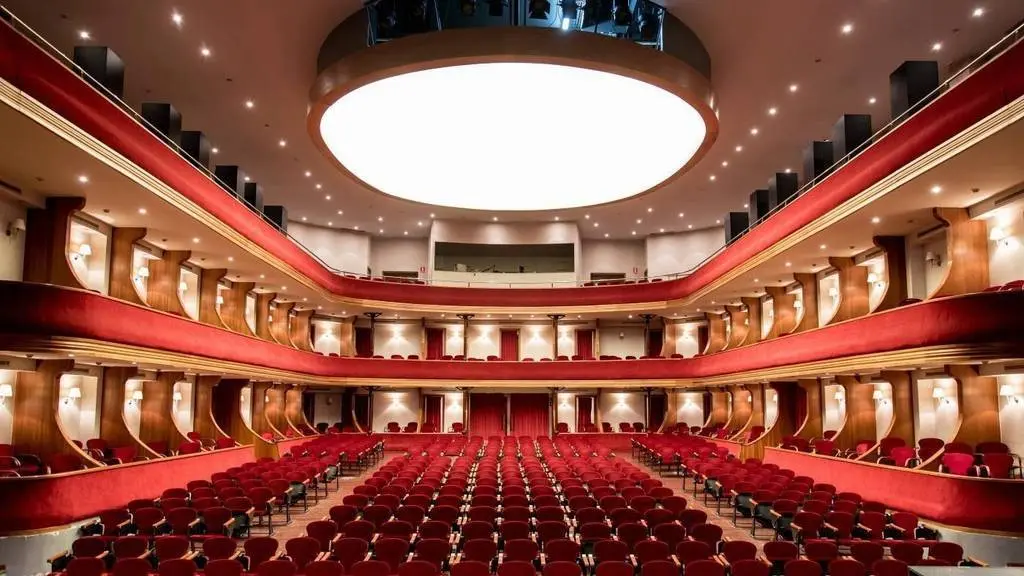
753 321
298 331
274 409
279 327
966 253
860 414
812 425
209 283
808 320
122 264
894 250
738 326
742 408
902 405
264 316
853 290
785 419
978 400
113 427
227 410
36 426
164 276
203 420
156 414
46 242
716 333
721 413
293 412
232 312
783 312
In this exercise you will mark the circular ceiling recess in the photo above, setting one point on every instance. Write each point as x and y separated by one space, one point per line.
512 136
512 119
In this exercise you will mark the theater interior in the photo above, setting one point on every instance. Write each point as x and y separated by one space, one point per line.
511 288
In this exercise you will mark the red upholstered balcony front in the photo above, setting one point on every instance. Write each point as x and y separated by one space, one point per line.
37 317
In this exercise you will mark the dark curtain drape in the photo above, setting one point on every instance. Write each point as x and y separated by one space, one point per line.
707 407
435 343
531 415
655 338
509 345
800 409
702 338
585 343
346 411
364 342
487 414
362 408
309 406
656 412
433 406
584 409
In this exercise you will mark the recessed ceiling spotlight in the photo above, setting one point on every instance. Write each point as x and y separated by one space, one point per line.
330 223
304 218
605 234
746 205
936 189
381 231
596 224
788 264
586 216
876 220
431 215
689 226
284 287
633 232
649 210
712 177
250 104
356 227
756 280
142 210
639 220
822 247
307 173
936 46
405 232
718 221
557 218
420 223
195 240
318 186
872 100
739 148
978 12
662 230
84 35
262 276
327 197
204 52
341 212
681 214
246 178
83 179
380 218
495 218
788 170
725 163
231 258
773 111
754 131
282 143
847 28
793 87
177 18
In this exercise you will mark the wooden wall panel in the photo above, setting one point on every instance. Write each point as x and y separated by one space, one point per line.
966 251
809 301
739 326
978 399
742 408
753 320
156 414
274 409
209 281
264 402
203 420
668 338
279 327
36 426
903 409
264 315
113 427
860 414
298 331
293 413
853 290
716 333
894 249
164 277
785 419
347 337
784 312
122 265
227 411
47 234
720 414
812 425
232 312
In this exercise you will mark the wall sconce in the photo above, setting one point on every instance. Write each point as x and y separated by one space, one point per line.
136 399
875 280
142 273
839 396
1001 236
266 398
833 292
220 300
176 396
940 394
933 259
1006 391
16 227
74 393
879 396
774 397
182 286
6 391
83 252
798 304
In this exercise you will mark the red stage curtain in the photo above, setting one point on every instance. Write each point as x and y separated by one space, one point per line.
487 414
655 339
509 345
364 342
656 412
433 405
585 343
531 415
435 343
584 407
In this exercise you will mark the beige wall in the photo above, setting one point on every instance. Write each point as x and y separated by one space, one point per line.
681 251
400 255
622 341
79 417
12 248
1006 257
936 418
613 256
7 377
343 250
1011 412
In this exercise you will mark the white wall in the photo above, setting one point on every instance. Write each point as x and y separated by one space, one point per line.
183 409
619 407
876 289
1006 258
91 270
565 410
771 407
690 408
402 406
452 410
535 341
325 337
613 256
621 341
484 340
132 412
1011 411
343 250
686 338
767 316
883 409
827 304
326 407
682 251
7 378
936 418
12 248
190 296
399 255
245 405
397 338
79 417
835 410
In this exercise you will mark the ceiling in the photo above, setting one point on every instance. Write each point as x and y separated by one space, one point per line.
265 51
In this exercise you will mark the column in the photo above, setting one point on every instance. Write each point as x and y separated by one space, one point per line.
647 343
554 338
465 333
373 332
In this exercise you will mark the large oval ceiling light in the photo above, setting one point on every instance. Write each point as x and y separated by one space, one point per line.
512 136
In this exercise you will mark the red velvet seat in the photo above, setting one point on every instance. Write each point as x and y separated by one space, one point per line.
801 567
259 550
138 567
86 567
277 568
470 568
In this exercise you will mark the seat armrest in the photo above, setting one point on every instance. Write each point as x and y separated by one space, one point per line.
235 556
675 559
543 560
58 556
721 560
632 560
971 561
775 515
191 555
193 523
369 556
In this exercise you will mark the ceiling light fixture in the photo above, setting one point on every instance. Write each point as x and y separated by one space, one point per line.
725 163
431 215
793 87
177 18
318 186
596 224
246 178
586 216
195 240
380 218
872 100
712 177
494 218
142 210
661 230
788 264
405 232
847 28
381 231
773 111
649 210
250 104
420 223
282 143
822 247
330 224
303 218
307 174
204 52
681 214
231 258
936 189
746 206
718 221
754 131
214 150
327 197
689 226
633 232
605 234
978 12
739 148
84 35
876 220
936 46
639 220
788 170
83 179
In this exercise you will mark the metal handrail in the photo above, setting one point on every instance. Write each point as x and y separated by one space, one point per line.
1002 45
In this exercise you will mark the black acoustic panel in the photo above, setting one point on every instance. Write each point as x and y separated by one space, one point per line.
277 215
850 131
103 65
817 160
782 187
164 119
758 206
253 194
736 223
231 178
910 85
197 146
